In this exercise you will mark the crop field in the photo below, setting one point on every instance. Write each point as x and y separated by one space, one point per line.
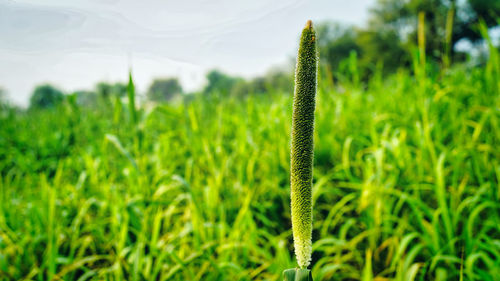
406 184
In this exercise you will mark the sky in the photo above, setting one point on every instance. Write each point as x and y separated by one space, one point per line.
75 44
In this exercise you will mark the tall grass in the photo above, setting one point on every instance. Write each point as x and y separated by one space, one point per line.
406 185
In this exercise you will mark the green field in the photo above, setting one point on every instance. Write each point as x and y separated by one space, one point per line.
406 184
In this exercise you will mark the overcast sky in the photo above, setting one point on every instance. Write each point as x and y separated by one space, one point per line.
75 43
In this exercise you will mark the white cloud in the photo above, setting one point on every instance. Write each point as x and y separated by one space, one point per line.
77 43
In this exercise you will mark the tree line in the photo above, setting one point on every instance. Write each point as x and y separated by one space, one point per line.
164 89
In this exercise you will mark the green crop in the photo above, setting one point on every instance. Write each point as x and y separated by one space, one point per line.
302 145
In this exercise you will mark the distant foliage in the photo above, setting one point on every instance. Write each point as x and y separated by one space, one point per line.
3 99
401 17
2 95
276 80
107 90
46 96
335 42
219 82
162 90
85 98
388 41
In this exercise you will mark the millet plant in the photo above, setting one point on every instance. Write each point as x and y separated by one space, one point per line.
302 153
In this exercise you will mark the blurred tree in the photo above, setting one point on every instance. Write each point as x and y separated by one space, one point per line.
85 98
220 82
400 17
471 13
119 89
273 81
279 80
103 89
107 90
241 88
381 48
3 95
46 96
257 85
164 89
336 42
386 43
489 10
3 99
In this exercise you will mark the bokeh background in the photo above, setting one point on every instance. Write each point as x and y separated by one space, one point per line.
149 140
